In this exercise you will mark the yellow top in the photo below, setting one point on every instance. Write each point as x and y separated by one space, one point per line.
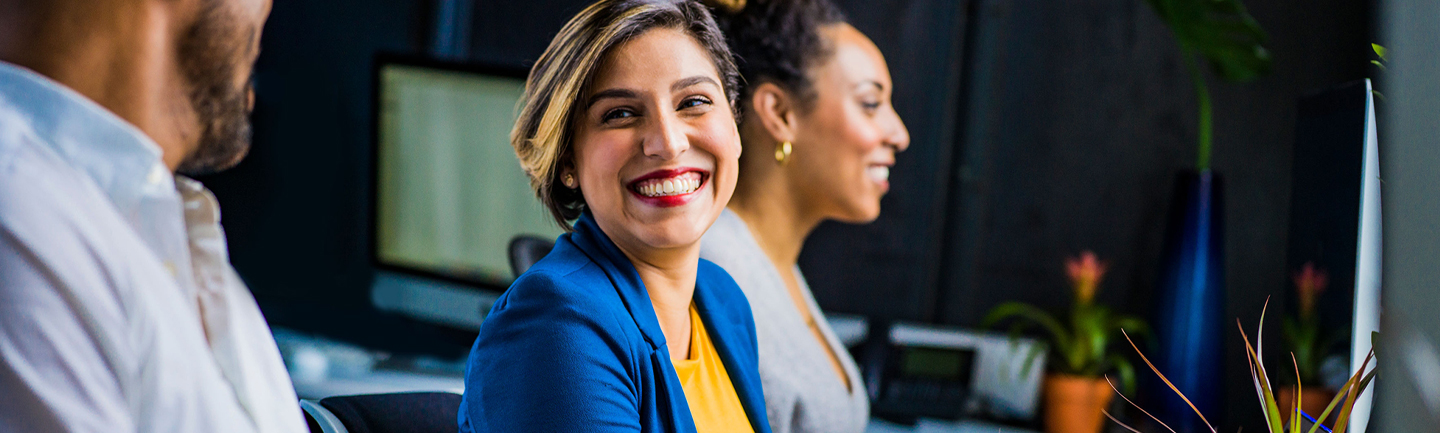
708 390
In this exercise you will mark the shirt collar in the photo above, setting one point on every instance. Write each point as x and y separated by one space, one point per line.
124 162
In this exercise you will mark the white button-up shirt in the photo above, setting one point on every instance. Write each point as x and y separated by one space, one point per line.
119 311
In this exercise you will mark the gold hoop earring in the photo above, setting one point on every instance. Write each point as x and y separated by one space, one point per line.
782 152
568 180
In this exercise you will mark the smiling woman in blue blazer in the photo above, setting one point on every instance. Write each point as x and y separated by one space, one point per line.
628 126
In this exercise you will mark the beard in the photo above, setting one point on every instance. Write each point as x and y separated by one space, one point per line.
211 56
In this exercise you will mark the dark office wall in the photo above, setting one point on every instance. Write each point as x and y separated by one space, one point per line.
1079 114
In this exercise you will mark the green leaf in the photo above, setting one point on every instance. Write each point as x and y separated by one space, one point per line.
1030 358
1257 374
1380 51
1333 401
1020 310
1353 392
1126 370
1090 324
1222 31
1131 324
1299 396
1343 395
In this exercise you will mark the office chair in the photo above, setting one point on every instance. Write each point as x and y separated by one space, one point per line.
525 250
407 412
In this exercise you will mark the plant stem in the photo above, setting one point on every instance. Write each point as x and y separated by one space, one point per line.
1202 98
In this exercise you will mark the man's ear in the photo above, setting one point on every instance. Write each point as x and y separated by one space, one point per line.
775 109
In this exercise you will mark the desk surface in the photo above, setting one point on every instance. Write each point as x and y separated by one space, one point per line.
385 381
938 426
321 369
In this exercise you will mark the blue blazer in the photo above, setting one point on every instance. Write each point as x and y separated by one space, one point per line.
574 346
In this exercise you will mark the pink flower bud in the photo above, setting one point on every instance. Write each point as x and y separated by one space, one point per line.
1085 273
1309 283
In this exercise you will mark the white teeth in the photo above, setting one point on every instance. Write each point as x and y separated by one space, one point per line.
679 185
878 173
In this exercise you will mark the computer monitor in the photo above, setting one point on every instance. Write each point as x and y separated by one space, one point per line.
1335 216
449 194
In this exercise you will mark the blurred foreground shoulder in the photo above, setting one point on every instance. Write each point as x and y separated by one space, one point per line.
65 350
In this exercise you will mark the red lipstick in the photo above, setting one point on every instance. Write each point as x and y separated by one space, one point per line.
669 187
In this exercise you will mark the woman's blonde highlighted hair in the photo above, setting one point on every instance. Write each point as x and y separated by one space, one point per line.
554 92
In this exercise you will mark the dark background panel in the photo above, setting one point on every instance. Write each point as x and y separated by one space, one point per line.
1078 116
517 31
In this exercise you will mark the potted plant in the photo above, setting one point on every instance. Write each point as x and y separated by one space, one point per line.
1306 340
1075 392
1276 420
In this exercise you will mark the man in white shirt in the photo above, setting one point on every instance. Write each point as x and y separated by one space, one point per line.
119 311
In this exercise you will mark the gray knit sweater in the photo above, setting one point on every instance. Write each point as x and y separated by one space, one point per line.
802 392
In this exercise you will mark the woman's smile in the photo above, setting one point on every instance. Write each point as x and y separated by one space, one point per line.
880 174
669 187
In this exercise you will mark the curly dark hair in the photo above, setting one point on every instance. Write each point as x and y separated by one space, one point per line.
778 41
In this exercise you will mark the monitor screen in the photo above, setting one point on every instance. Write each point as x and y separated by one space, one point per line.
450 193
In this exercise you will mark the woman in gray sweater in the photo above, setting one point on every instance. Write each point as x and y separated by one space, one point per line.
819 137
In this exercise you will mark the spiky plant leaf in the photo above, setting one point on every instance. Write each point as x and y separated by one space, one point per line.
1344 396
1299 396
1167 383
1112 418
1142 410
1333 402
1351 393
1262 383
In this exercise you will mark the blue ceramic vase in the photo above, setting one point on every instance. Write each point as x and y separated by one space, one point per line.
1189 318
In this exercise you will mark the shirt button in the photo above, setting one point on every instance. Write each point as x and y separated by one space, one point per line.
157 174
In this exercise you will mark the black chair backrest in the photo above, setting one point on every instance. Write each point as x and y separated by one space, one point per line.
525 250
408 412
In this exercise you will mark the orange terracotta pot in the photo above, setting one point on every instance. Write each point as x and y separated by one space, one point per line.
1314 401
1073 403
